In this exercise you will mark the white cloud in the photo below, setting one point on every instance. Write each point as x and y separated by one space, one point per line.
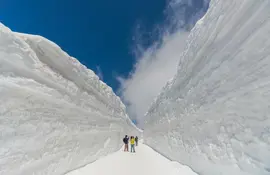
153 69
157 64
99 73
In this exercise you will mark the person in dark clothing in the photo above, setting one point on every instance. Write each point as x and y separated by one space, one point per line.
136 140
125 140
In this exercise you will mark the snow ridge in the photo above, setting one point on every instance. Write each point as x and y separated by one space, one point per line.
55 114
214 115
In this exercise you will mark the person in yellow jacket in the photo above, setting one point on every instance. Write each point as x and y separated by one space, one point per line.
132 143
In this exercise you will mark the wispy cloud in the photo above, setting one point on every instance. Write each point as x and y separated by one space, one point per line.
158 63
99 72
154 68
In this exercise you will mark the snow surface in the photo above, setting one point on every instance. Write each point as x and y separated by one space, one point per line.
144 162
55 114
214 114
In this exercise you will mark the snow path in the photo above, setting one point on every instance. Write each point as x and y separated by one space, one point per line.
144 162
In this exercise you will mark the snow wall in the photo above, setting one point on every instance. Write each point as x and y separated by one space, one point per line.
55 114
214 115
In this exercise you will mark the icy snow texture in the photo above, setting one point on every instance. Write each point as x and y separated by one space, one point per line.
215 114
55 114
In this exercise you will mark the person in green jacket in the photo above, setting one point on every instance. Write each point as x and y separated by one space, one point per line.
136 140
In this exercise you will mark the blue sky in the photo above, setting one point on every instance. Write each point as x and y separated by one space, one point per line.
105 34
97 32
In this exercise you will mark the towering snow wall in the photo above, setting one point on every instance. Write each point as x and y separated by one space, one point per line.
55 114
214 115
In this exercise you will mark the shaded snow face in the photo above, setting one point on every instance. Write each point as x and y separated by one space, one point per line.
214 114
55 114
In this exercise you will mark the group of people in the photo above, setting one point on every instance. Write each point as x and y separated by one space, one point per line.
133 140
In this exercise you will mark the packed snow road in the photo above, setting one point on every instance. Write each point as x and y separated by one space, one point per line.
144 162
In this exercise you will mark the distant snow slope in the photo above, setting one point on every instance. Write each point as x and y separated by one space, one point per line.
215 114
55 114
